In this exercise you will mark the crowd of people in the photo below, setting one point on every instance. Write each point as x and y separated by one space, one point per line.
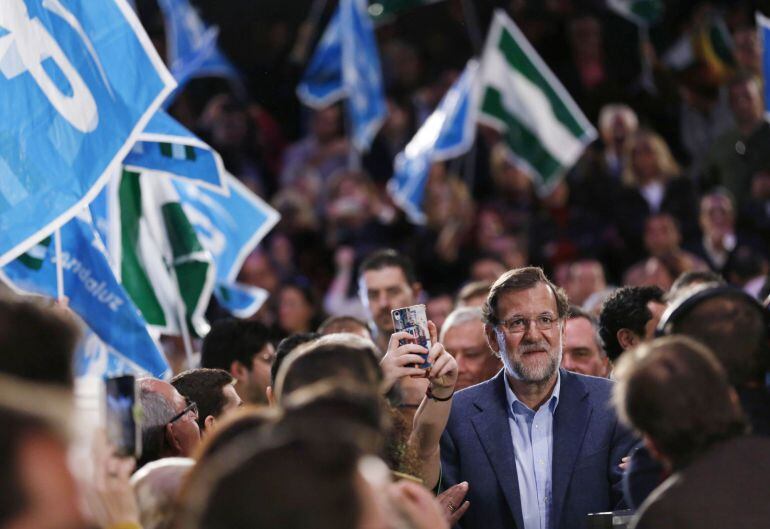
604 346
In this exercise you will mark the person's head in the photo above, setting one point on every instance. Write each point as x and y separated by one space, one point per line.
333 356
438 308
245 421
717 214
692 278
212 390
327 123
349 324
386 281
242 348
629 317
463 337
37 489
36 342
747 49
524 323
731 323
583 348
651 160
156 486
486 267
584 277
473 294
661 235
286 346
297 307
617 124
309 480
676 394
169 421
745 97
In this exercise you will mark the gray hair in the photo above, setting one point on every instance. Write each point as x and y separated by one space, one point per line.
575 313
156 412
156 486
460 316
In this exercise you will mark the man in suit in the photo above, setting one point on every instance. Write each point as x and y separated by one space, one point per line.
539 446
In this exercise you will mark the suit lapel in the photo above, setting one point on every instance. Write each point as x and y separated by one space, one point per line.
491 425
570 424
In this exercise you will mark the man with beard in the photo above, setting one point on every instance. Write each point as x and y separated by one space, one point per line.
539 446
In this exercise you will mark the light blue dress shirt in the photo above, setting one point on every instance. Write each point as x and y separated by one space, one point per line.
532 434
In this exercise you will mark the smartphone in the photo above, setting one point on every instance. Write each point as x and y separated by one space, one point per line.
121 415
413 320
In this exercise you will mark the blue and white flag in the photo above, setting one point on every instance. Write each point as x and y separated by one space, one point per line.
191 46
71 108
94 358
763 26
93 291
346 64
447 133
229 227
321 83
242 301
165 146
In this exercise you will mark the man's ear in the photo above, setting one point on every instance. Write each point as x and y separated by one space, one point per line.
209 423
492 342
172 440
238 371
627 338
270 396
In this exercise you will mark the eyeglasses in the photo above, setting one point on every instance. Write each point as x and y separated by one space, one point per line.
267 357
191 406
518 325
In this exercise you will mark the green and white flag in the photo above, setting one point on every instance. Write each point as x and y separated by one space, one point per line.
162 264
541 125
640 12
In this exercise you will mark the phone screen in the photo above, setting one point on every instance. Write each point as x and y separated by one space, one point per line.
120 415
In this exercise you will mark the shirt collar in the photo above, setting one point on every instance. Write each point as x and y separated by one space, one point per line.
553 400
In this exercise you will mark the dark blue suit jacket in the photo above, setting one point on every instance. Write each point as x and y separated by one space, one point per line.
588 443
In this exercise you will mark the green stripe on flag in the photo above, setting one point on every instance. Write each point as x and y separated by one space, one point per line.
519 61
134 277
189 152
519 138
166 149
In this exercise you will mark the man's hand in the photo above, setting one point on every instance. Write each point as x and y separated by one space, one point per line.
443 370
400 360
109 496
452 502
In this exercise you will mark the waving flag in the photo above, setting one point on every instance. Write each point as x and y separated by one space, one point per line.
447 133
242 301
71 108
93 291
542 127
94 358
191 46
763 25
165 146
346 64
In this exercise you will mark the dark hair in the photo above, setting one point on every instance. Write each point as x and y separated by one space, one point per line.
517 280
204 386
36 343
473 289
386 258
733 326
286 346
16 428
303 478
243 421
335 324
626 308
675 391
334 355
232 340
693 277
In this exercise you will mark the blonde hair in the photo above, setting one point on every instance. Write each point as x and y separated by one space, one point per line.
667 166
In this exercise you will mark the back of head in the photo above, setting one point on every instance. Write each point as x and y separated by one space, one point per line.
339 324
626 308
233 340
36 342
675 391
387 258
244 421
204 386
335 355
275 483
156 487
286 346
693 277
731 323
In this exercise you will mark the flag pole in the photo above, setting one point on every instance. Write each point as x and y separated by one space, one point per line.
59 269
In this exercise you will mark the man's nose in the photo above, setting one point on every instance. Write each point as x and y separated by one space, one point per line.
566 362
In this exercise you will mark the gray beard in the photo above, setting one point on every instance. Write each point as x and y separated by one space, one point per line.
534 374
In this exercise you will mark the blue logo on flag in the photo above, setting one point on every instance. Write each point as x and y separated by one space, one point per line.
447 133
70 107
93 291
167 147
